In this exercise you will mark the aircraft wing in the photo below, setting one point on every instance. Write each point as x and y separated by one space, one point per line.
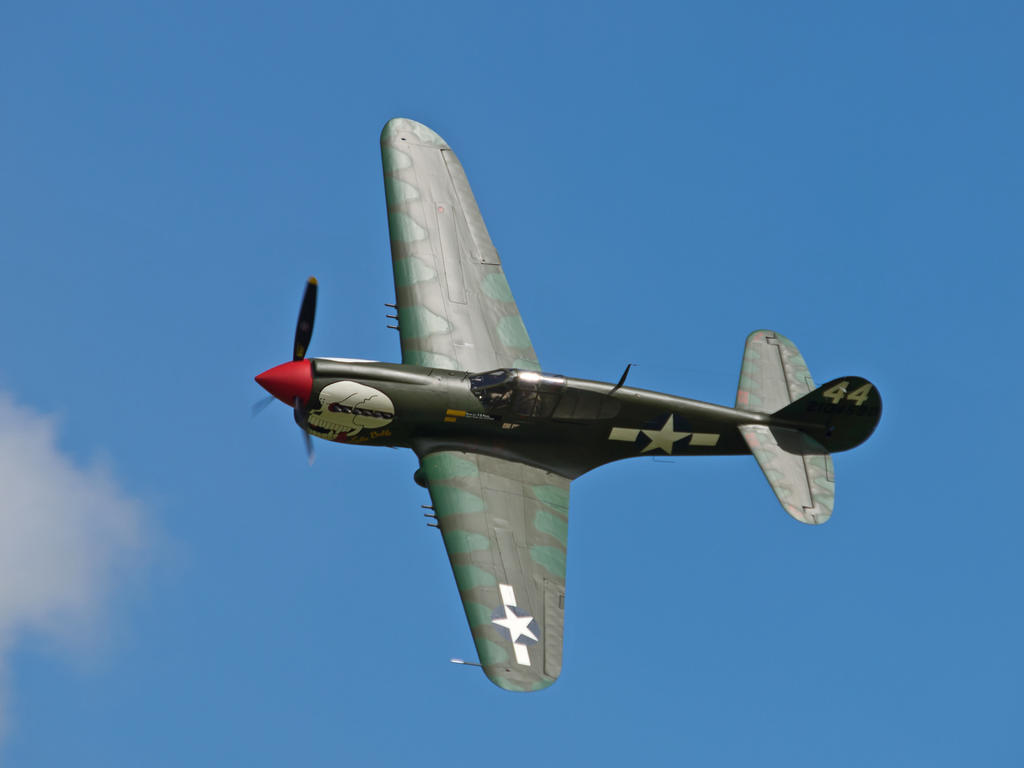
455 308
505 526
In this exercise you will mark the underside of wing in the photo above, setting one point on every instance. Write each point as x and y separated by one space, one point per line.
505 527
455 308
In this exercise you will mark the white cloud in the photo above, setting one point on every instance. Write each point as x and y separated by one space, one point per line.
65 533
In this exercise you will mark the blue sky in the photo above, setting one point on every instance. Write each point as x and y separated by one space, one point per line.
178 587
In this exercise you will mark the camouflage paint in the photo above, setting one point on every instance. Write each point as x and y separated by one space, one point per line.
455 500
428 359
553 525
495 286
455 309
411 271
521 514
420 323
464 541
773 375
551 558
504 521
804 484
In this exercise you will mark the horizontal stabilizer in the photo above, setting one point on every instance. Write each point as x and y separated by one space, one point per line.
798 469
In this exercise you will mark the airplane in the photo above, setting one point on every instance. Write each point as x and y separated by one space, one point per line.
499 440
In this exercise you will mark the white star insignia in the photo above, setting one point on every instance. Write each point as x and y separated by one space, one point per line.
517 626
664 438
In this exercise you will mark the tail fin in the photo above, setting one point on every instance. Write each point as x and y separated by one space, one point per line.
806 423
840 415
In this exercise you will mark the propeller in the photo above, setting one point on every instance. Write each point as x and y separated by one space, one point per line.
300 419
259 405
303 333
304 327
291 382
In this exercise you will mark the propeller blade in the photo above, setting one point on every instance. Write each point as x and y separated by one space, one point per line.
310 456
304 327
300 419
259 405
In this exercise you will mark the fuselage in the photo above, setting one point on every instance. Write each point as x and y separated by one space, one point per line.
559 423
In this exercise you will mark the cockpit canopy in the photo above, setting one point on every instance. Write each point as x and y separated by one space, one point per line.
522 394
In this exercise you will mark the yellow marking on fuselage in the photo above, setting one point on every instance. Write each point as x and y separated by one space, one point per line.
449 418
453 412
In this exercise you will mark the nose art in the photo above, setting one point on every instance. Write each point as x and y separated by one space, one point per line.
288 381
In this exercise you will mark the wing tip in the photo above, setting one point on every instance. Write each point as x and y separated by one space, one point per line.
406 129
506 679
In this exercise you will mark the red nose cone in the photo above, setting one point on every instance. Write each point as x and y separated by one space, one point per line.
288 381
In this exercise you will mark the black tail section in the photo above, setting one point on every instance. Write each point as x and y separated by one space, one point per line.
840 415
